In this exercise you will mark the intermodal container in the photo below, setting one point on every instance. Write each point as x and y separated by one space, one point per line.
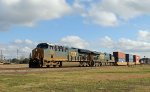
136 58
129 58
119 54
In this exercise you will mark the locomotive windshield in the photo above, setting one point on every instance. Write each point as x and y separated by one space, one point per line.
42 45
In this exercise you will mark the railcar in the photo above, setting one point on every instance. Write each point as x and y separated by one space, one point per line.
120 58
129 59
136 59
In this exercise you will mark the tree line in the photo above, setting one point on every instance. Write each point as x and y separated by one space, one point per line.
18 61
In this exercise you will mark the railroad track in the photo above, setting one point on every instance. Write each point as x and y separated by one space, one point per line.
23 69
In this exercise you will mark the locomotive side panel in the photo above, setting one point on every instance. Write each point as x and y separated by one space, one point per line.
102 57
56 54
73 55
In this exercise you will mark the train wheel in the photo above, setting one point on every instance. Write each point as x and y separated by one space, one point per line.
30 64
60 64
100 64
84 64
80 64
41 64
92 63
97 64
38 64
54 65
116 64
110 64
47 66
33 64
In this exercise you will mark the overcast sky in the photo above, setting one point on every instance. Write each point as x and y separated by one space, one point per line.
101 25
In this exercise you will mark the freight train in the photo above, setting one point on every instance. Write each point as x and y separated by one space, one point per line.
49 55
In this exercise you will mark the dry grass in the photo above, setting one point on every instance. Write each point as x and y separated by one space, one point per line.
79 79
13 66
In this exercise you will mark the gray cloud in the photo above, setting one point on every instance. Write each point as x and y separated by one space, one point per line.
144 35
74 41
139 45
28 12
100 12
112 12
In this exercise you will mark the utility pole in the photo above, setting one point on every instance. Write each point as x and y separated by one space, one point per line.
144 60
1 55
30 56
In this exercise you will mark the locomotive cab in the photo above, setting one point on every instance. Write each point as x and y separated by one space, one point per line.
38 55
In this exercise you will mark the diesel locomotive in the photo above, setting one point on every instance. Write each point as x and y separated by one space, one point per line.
49 55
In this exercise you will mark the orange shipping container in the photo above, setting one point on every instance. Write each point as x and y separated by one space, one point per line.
119 54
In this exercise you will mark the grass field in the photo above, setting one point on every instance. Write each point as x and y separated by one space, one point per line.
91 79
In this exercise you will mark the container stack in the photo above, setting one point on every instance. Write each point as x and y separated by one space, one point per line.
136 59
129 59
120 58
